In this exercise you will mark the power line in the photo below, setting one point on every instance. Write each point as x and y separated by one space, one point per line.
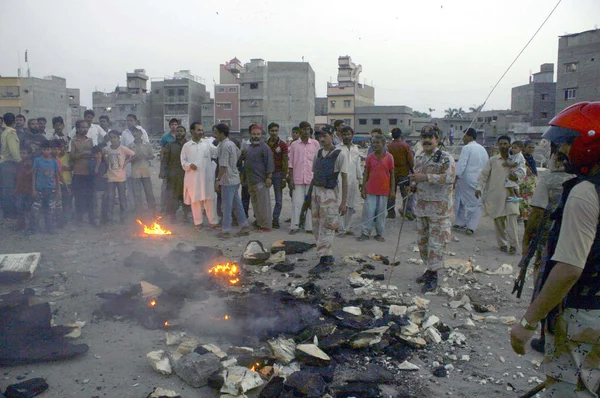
513 62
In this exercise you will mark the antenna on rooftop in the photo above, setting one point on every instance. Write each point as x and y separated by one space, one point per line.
19 59
27 62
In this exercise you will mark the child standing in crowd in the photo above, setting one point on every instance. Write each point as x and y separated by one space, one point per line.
99 187
23 189
81 147
516 163
46 192
117 157
65 188
58 209
140 170
378 184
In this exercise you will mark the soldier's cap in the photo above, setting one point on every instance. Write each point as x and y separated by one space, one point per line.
429 130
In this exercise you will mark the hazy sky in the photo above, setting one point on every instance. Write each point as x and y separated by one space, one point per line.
423 54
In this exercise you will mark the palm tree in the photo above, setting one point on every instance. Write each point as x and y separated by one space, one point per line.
459 113
430 111
450 113
476 108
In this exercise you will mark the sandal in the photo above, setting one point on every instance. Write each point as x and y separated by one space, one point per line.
379 238
362 238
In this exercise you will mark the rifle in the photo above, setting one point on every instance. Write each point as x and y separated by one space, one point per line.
306 205
526 259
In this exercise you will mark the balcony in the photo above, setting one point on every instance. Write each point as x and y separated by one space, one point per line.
177 99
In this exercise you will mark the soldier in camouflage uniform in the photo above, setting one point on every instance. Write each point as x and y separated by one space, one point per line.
567 292
433 180
326 206
543 203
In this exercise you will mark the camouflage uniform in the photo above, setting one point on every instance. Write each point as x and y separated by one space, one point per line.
572 360
325 218
547 196
434 202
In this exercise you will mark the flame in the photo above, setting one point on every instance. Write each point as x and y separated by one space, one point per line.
255 367
226 317
154 228
167 323
153 303
229 271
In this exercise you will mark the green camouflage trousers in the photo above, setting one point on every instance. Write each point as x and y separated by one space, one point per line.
432 236
573 354
325 218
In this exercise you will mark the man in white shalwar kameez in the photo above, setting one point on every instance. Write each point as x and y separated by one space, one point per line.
491 186
467 207
354 176
199 181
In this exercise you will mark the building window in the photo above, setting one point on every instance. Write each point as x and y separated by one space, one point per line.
409 122
253 86
180 91
205 107
332 121
570 93
494 118
332 104
544 115
347 103
171 92
156 91
9 91
544 97
362 122
376 121
348 122
220 89
571 67
227 106
393 122
225 121
232 89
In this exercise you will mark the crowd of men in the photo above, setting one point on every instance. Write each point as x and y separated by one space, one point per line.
215 178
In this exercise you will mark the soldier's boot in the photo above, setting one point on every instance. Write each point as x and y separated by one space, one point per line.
323 266
430 283
423 277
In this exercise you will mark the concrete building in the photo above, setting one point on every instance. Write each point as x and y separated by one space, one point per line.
133 98
77 109
35 97
281 92
321 106
291 95
347 94
180 96
226 107
384 117
538 98
578 77
208 115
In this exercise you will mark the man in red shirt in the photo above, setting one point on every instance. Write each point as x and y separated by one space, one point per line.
378 186
280 156
403 165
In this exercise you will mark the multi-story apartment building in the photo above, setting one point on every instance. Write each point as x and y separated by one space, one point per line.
578 76
36 97
347 94
384 117
131 99
180 97
538 98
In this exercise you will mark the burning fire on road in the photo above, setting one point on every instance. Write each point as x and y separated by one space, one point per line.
154 229
229 272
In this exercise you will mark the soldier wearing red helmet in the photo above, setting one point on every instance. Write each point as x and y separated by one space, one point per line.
567 292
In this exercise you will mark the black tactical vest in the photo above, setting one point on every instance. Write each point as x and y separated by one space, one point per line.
325 175
583 294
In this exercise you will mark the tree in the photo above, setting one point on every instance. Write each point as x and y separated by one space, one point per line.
450 113
421 114
459 113
476 108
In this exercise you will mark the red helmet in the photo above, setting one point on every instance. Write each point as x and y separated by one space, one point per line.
578 125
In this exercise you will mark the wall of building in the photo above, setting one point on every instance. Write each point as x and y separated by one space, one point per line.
34 97
156 112
253 94
291 95
384 117
583 50
117 105
321 107
227 105
208 115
